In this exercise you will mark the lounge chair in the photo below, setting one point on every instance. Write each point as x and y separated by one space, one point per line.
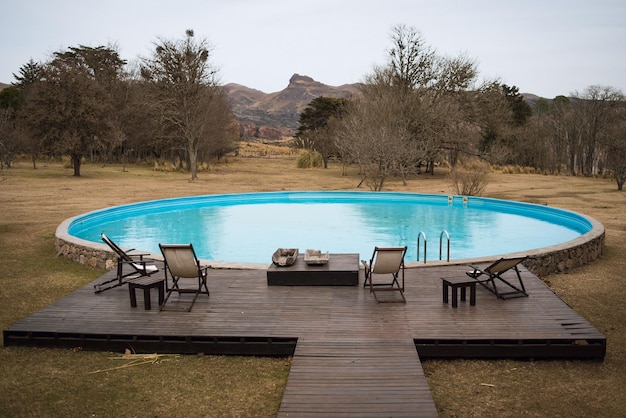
182 263
129 266
385 262
489 277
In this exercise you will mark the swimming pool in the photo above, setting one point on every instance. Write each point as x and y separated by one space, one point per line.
249 227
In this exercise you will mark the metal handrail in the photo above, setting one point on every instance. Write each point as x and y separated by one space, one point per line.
441 242
421 234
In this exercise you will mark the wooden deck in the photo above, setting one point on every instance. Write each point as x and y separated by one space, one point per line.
351 356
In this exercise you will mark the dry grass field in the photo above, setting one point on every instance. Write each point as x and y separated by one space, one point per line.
73 383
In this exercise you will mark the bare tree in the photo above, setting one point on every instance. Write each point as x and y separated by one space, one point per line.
374 134
412 62
582 127
402 116
614 146
562 127
185 92
595 113
9 131
219 130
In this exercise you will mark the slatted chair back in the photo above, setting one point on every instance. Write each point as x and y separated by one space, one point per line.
495 273
116 249
181 260
388 264
182 263
503 265
388 259
136 262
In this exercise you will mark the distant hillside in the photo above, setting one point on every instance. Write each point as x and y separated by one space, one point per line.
273 115
531 99
3 86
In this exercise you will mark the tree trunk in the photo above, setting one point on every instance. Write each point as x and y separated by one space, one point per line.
380 186
76 164
193 164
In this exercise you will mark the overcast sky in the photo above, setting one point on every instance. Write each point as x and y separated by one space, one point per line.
546 47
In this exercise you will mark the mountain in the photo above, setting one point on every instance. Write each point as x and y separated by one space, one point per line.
275 115
531 99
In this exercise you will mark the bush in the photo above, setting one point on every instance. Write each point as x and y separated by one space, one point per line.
308 159
470 178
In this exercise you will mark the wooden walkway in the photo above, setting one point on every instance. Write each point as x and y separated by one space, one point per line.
351 356
357 378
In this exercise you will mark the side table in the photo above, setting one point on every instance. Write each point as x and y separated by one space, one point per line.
146 283
456 284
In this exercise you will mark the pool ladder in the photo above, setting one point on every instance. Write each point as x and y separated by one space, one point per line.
423 234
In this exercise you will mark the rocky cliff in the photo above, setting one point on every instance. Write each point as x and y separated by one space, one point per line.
275 115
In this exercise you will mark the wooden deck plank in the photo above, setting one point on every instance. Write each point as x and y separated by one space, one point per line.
353 356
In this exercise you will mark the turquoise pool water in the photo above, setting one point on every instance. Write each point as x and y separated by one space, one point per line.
249 227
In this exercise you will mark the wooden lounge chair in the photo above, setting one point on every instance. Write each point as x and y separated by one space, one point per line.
386 262
489 277
129 266
182 263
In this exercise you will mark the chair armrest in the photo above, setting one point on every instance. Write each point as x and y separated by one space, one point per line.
140 255
139 261
475 273
204 270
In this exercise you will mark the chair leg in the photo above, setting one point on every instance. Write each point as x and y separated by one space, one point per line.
198 292
387 288
175 288
133 296
517 291
111 283
168 293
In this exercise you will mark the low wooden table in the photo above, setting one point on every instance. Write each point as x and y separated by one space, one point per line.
145 284
341 270
459 283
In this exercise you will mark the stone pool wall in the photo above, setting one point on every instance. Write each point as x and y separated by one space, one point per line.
95 257
555 259
564 259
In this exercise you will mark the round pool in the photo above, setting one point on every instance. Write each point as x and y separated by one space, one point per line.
249 227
